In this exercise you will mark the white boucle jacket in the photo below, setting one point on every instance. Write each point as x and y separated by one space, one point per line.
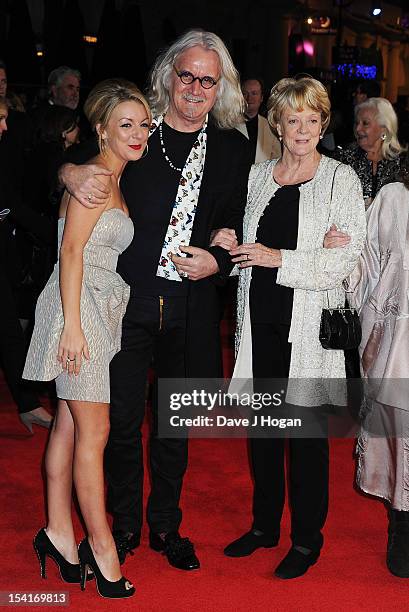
312 271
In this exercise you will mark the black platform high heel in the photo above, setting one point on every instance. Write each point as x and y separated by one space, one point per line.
106 588
69 572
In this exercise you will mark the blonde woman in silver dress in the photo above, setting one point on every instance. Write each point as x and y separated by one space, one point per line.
77 332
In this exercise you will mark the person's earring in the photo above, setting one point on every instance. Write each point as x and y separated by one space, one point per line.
321 136
102 144
383 137
145 153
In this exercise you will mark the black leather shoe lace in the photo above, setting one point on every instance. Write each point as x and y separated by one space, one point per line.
179 548
123 546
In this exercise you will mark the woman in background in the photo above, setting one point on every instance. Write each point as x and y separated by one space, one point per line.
378 288
57 130
377 156
12 341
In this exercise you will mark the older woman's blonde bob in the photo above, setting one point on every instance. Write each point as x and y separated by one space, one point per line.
385 116
105 97
298 95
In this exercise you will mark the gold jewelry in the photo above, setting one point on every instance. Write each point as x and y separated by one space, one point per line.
102 144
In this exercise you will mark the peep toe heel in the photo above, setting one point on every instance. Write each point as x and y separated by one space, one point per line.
106 588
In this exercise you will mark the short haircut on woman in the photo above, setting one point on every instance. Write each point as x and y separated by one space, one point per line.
298 94
386 118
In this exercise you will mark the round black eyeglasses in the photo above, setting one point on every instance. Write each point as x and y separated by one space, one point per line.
207 82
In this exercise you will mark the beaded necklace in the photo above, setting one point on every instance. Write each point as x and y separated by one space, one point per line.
162 144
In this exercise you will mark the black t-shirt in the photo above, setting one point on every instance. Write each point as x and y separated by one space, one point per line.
278 229
149 187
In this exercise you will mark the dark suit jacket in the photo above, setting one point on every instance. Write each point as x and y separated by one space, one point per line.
221 203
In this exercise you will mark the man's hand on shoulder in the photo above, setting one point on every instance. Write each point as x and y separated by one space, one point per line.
83 183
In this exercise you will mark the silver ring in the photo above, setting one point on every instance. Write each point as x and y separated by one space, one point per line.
247 257
89 197
68 359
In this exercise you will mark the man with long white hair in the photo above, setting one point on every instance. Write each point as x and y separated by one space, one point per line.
189 190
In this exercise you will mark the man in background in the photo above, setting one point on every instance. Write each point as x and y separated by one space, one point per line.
263 143
64 87
63 90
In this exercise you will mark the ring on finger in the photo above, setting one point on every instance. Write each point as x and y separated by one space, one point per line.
89 197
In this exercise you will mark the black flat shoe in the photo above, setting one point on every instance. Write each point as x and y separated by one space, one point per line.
125 543
69 572
397 554
295 564
118 589
179 551
250 542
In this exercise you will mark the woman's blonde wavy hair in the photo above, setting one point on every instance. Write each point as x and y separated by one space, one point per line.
228 110
386 118
298 94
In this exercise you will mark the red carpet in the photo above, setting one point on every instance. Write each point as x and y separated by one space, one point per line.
351 573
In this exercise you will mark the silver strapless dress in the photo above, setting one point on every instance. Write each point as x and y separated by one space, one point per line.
104 298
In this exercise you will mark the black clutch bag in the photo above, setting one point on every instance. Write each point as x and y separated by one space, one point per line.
340 328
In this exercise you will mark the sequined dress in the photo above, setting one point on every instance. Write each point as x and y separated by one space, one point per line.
104 298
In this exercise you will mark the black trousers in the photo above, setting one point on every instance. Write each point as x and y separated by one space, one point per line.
308 458
13 347
149 331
